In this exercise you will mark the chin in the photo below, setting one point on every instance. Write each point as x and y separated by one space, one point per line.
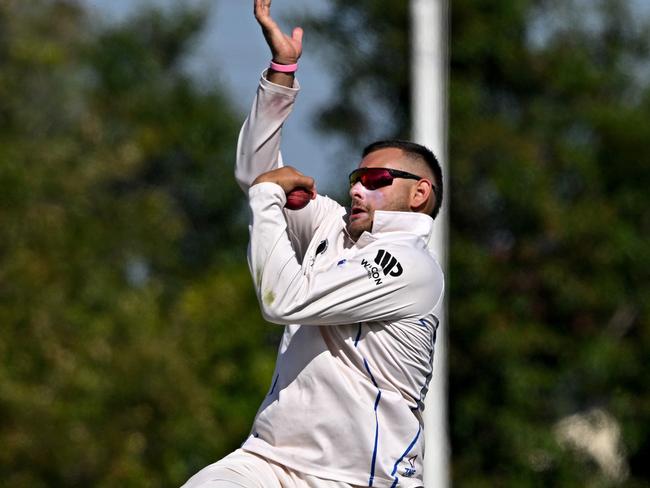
355 229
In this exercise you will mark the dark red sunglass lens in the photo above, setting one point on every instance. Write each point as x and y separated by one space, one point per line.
376 179
371 178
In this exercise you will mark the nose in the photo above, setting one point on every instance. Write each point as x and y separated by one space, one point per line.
356 191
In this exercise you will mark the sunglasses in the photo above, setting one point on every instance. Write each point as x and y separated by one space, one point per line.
373 178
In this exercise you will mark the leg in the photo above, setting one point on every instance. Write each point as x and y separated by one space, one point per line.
237 470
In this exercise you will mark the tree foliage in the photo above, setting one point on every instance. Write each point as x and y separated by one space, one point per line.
549 258
131 349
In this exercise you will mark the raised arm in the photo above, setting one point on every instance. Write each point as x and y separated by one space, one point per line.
258 147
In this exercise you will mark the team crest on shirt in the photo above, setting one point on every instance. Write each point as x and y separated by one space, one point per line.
385 264
322 247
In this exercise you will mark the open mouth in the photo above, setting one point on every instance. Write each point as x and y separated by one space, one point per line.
357 212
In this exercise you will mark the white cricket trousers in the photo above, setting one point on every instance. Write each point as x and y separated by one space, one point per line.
242 469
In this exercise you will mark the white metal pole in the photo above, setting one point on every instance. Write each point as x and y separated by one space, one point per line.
429 73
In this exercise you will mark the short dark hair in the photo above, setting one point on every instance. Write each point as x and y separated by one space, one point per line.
420 152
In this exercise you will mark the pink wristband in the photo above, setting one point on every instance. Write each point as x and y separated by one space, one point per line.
284 68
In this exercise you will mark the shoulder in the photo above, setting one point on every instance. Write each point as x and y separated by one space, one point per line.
408 263
423 275
415 262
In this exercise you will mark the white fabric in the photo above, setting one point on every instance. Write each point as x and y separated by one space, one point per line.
242 469
349 384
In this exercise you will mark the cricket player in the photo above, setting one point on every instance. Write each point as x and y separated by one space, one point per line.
358 293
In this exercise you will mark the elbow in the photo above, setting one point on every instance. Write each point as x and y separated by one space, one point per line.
270 310
273 317
269 315
276 313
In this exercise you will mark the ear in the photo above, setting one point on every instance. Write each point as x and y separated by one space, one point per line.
422 196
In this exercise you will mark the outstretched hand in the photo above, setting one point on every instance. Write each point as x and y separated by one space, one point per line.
284 49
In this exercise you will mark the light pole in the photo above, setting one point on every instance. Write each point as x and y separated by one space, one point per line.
429 75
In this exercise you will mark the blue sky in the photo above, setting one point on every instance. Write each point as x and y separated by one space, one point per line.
232 52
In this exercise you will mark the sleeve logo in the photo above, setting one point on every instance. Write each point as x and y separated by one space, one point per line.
389 265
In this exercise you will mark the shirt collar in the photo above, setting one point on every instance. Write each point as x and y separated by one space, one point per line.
385 221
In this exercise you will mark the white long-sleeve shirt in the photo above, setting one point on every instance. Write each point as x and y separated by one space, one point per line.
360 323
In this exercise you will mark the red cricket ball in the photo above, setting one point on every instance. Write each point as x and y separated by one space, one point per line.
297 198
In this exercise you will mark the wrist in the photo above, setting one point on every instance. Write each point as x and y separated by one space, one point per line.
282 74
284 59
289 68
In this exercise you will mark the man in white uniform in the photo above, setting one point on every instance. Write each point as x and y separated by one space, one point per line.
358 292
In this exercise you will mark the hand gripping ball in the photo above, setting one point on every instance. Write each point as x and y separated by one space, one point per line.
297 198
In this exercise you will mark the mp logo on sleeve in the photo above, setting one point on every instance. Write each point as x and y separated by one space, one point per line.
388 263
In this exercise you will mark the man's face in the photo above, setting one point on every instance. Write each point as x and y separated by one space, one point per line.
396 196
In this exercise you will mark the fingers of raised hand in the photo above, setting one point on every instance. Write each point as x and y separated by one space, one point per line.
296 35
262 10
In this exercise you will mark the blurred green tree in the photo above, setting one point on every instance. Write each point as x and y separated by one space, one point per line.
549 262
132 352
